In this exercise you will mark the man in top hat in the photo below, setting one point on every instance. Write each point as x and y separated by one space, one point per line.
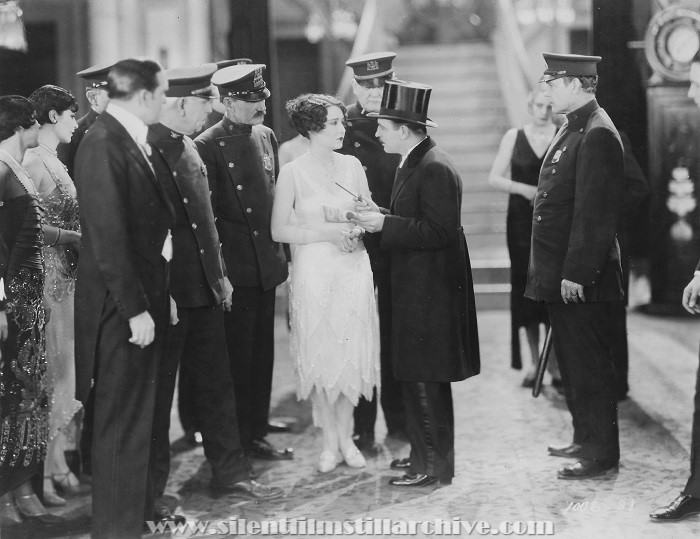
121 292
370 72
241 159
687 503
435 341
95 78
201 292
575 259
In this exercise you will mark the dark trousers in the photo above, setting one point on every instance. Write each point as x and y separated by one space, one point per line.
251 343
620 349
692 488
125 394
430 428
583 336
198 345
86 433
391 389
185 403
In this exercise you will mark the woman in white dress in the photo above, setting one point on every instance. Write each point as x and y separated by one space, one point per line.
56 110
334 322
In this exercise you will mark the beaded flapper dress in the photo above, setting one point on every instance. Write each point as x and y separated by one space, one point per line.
60 205
24 423
334 322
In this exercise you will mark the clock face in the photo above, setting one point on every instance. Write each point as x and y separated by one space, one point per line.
672 41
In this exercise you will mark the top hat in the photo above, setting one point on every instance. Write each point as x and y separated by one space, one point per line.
405 102
569 65
373 69
234 62
96 76
243 81
192 81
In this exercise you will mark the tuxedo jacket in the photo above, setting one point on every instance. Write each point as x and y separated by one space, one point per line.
435 339
125 216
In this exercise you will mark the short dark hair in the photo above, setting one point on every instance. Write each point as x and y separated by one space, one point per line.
15 111
130 76
589 84
309 112
416 129
50 97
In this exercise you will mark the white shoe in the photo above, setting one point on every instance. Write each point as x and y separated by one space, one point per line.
354 458
327 462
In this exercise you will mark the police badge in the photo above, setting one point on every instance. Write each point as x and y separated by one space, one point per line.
557 156
267 162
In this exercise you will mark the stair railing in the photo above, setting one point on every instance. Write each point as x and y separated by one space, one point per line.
516 74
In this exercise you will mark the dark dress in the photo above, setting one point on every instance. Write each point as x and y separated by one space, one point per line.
24 412
525 168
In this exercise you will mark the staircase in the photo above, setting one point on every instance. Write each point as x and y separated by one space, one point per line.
467 105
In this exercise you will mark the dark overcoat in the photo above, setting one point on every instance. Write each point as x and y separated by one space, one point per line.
125 216
242 167
380 167
66 151
576 211
434 329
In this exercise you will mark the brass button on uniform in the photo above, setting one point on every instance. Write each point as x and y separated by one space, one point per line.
545 194
221 143
185 200
230 165
554 171
248 210
255 232
194 225
239 187
174 174
357 145
539 218
201 251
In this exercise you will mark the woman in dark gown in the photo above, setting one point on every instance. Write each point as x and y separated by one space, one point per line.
516 171
24 404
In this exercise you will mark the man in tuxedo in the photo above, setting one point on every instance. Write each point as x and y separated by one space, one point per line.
241 159
435 340
370 72
201 291
575 260
95 78
121 311
687 503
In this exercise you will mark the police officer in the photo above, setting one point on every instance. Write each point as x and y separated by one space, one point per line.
241 159
575 259
201 291
370 72
95 78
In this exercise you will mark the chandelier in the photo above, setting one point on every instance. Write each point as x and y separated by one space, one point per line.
12 34
545 12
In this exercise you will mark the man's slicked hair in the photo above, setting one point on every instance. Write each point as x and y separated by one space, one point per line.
130 76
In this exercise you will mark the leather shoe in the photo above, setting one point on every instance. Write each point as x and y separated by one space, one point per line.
416 480
588 468
571 451
400 464
278 426
248 489
683 506
261 449
162 515
366 444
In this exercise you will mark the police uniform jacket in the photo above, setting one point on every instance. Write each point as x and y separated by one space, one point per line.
125 216
242 167
380 168
576 211
66 152
436 338
196 270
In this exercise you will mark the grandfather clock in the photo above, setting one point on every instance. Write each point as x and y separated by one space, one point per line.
672 41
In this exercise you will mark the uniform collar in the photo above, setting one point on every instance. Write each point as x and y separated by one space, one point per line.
235 128
580 115
160 132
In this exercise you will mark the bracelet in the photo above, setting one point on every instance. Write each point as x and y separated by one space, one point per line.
58 237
